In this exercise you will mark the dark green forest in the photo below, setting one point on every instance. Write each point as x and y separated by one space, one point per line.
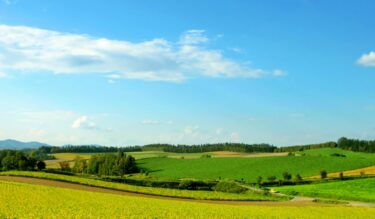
18 160
106 164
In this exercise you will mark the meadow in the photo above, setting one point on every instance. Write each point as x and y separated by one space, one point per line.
308 164
207 195
35 201
359 189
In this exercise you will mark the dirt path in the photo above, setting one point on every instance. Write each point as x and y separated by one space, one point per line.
67 185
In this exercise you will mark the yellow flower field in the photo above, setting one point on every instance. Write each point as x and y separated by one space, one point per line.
20 200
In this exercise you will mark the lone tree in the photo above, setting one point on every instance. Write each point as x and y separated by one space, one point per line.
341 175
287 176
323 174
41 165
298 178
259 180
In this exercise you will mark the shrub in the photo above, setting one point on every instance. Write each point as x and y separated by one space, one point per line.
287 176
298 178
271 178
323 174
259 180
338 155
186 184
229 187
206 156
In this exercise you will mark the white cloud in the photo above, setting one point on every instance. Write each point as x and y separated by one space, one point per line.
367 60
3 75
30 49
156 122
150 122
83 122
235 137
191 130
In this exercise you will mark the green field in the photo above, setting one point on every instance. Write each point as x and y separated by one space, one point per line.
20 200
360 190
208 195
250 168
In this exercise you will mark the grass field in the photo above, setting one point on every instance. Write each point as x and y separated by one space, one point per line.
20 200
250 168
149 154
359 189
208 195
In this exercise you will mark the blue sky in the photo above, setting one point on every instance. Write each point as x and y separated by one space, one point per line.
125 72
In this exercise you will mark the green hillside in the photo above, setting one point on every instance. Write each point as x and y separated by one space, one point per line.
309 164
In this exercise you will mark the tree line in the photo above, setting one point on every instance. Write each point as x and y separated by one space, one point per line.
344 143
356 145
18 160
87 149
295 148
235 147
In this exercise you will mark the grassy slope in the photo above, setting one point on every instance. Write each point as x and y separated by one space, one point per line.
34 201
360 189
251 196
250 168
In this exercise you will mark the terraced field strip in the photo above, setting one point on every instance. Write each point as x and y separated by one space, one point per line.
67 185
167 192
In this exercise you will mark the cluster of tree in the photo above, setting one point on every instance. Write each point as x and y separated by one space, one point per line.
18 160
295 148
356 145
104 164
87 149
236 147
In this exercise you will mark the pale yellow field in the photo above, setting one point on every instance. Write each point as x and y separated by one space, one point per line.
356 172
65 157
367 170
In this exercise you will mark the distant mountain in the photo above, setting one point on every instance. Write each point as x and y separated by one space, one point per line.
14 144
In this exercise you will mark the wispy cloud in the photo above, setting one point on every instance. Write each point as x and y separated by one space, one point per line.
156 122
235 137
29 49
8 2
236 50
367 60
3 75
279 73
